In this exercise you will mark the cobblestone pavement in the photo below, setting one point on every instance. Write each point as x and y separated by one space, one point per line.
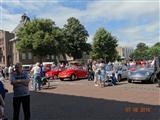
81 100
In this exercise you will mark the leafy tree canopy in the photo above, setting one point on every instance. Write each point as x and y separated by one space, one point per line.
37 36
104 45
75 37
143 52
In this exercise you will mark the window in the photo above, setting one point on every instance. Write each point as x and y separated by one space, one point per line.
52 57
23 56
29 55
48 57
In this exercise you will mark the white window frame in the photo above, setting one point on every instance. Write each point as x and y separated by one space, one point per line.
23 56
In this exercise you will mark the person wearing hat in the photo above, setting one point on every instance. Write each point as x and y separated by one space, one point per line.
20 81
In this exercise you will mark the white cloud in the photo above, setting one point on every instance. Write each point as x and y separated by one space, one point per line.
110 10
61 14
120 10
131 36
90 39
8 21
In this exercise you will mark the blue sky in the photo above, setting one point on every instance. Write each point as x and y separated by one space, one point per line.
131 21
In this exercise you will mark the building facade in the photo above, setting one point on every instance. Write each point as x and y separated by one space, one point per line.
9 55
124 52
5 49
27 57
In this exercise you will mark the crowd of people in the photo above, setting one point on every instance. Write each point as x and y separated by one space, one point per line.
98 70
19 79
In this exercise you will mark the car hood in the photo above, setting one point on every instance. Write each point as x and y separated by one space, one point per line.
141 73
67 71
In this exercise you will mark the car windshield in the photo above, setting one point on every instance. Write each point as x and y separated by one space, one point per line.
54 68
26 67
142 72
72 67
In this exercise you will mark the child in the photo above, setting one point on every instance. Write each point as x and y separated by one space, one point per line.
114 80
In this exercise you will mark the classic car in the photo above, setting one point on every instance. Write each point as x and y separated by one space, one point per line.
140 75
73 72
122 72
27 68
53 73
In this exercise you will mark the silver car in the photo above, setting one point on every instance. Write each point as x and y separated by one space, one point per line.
122 72
140 75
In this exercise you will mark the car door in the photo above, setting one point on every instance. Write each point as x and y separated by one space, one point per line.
75 70
84 72
80 72
124 72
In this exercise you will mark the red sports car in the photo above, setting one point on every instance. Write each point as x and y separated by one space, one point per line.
73 72
53 74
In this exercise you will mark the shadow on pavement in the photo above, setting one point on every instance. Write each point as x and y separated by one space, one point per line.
121 83
50 106
49 87
144 82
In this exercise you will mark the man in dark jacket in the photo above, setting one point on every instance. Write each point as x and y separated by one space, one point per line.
2 90
157 69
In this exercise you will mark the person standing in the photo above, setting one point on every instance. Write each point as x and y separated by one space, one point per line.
10 70
5 71
96 70
90 71
2 105
20 81
36 76
102 74
157 69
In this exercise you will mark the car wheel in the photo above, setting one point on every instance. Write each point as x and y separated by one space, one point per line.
55 77
119 78
73 77
62 79
129 81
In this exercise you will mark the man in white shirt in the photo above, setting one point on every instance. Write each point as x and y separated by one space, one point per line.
37 76
10 70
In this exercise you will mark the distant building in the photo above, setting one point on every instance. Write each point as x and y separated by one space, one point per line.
5 49
124 52
10 55
27 57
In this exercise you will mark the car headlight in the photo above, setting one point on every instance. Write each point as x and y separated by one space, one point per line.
147 73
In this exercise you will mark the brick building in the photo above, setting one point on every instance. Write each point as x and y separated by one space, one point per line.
5 49
124 52
10 55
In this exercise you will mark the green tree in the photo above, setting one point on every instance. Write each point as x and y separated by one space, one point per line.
60 42
154 50
38 37
142 46
157 44
75 38
141 52
104 46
